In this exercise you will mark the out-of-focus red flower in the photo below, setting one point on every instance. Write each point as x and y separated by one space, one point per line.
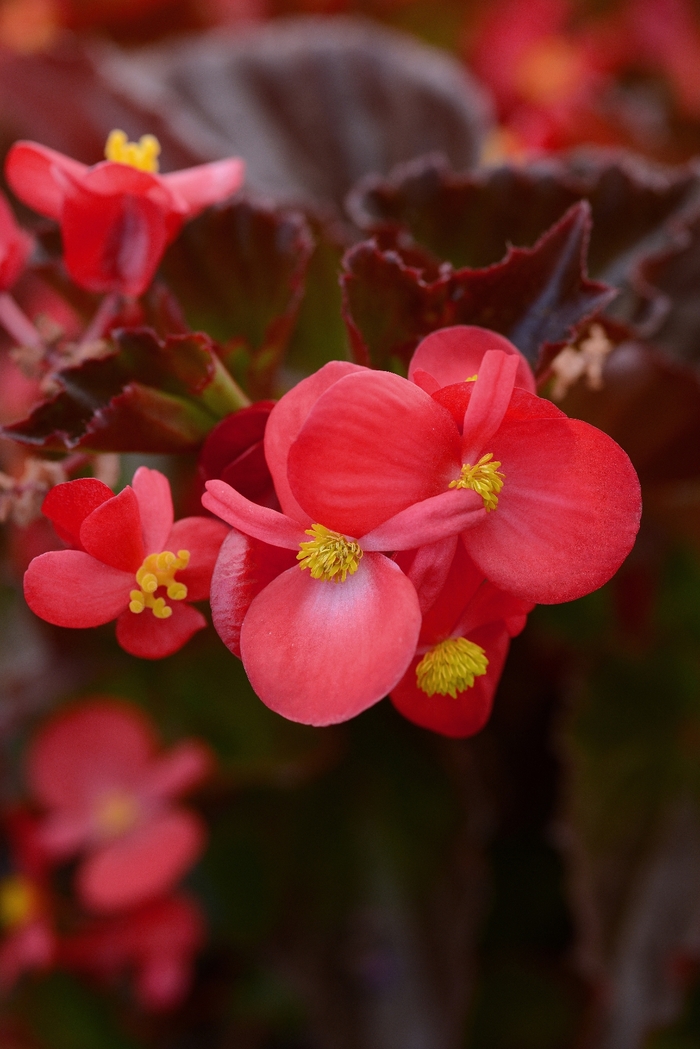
27 939
234 452
664 36
463 644
156 943
15 246
129 562
117 217
560 499
109 794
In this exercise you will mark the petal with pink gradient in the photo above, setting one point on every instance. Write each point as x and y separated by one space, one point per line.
470 710
143 864
451 355
427 522
68 504
144 635
112 532
89 750
567 515
171 774
428 568
488 404
72 589
206 184
260 522
245 567
33 172
203 537
321 652
152 489
285 422
372 445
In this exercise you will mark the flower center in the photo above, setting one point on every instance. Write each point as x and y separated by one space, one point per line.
329 555
18 901
485 479
159 570
116 814
142 155
450 667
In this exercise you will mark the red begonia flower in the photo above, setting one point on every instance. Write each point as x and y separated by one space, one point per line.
109 794
451 355
450 684
322 640
15 246
129 562
155 942
117 217
234 452
561 499
27 937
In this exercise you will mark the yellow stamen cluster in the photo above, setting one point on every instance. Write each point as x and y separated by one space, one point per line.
329 555
116 814
485 479
142 155
450 667
159 570
18 901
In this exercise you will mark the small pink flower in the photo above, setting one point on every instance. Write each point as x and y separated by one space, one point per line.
27 938
109 795
117 217
129 563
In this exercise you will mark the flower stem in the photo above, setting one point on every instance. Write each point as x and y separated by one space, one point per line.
17 324
106 311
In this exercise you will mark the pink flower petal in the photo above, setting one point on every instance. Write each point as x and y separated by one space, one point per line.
31 946
142 634
372 445
152 490
428 568
452 355
84 752
70 588
254 520
567 515
67 505
285 422
142 864
112 532
186 765
427 522
321 652
245 567
203 537
470 710
488 403
206 184
33 173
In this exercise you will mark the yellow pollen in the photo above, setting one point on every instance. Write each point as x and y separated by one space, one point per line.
329 555
159 570
471 378
142 155
450 667
485 479
18 901
116 814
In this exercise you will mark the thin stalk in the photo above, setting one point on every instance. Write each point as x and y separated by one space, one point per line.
17 324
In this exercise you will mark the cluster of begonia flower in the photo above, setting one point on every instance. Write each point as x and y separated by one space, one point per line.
104 795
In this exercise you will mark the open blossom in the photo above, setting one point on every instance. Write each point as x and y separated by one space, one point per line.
117 217
27 937
109 795
450 684
561 500
155 943
325 622
129 562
